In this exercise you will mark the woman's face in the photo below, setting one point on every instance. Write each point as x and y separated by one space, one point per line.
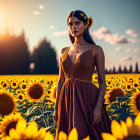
76 26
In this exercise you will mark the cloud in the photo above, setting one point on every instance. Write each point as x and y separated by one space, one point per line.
104 34
128 50
133 40
118 49
51 27
36 13
132 33
61 33
41 7
136 50
126 58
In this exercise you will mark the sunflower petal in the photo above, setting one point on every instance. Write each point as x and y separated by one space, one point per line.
21 126
87 138
107 136
32 129
137 120
13 134
49 136
42 132
116 129
124 128
129 121
7 138
73 134
62 135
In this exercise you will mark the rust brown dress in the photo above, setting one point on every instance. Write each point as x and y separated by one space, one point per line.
78 98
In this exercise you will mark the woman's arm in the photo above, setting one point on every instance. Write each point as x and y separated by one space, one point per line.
100 65
59 84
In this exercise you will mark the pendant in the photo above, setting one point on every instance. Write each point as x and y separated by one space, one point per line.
77 51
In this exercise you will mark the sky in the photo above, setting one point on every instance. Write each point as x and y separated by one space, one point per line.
116 25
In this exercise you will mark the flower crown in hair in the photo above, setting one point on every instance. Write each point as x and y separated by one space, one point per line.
89 21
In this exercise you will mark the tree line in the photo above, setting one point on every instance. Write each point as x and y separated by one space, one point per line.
15 57
123 70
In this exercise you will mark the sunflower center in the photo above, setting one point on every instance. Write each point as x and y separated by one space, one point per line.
36 91
128 86
14 84
132 138
4 85
11 125
135 85
138 101
6 104
20 97
23 86
115 93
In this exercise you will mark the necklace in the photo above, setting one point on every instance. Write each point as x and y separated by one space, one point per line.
78 44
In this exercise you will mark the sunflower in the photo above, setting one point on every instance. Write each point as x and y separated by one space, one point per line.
124 131
23 86
135 102
14 84
128 86
9 122
109 82
20 97
95 78
135 85
49 92
5 84
29 132
47 82
115 92
7 103
35 91
72 136
18 91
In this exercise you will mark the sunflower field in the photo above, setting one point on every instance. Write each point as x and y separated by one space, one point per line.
28 101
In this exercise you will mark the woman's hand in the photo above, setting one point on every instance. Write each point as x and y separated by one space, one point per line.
96 115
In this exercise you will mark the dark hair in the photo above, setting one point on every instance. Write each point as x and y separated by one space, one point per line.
84 18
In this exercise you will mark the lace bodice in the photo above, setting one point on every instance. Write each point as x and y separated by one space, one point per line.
82 68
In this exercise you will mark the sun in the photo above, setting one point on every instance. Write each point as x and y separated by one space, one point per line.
1 21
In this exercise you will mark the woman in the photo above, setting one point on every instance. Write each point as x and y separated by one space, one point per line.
79 103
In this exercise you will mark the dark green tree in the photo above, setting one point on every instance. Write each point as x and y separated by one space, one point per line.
125 70
114 70
44 58
14 54
130 69
136 68
119 70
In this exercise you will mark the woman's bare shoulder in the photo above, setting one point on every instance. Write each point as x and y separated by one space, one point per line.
62 51
96 48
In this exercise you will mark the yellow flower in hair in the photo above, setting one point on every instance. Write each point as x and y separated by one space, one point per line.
82 14
85 17
89 22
